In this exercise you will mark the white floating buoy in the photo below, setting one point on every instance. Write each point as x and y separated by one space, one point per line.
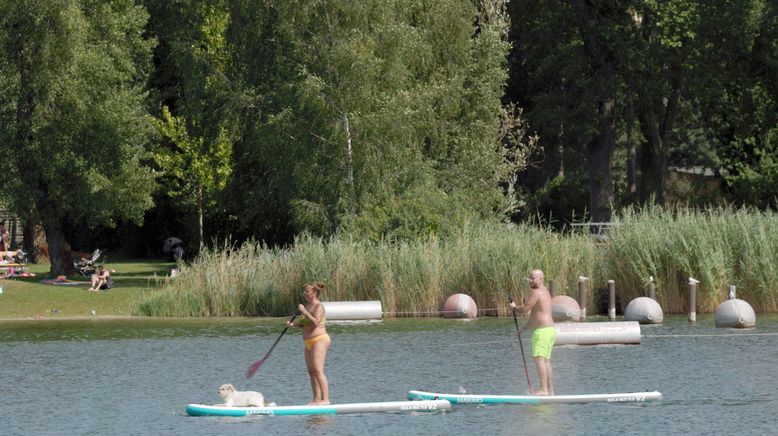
644 310
735 313
564 308
460 306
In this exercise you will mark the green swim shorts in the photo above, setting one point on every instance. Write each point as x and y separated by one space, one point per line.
543 341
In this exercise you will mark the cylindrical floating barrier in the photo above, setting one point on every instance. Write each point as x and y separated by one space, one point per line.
582 295
460 306
352 310
611 299
644 310
735 313
595 333
692 287
564 308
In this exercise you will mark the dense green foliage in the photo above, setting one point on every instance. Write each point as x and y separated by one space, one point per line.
656 84
73 130
380 120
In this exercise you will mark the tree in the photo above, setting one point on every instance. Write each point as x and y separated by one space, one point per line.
598 36
73 126
196 172
196 123
564 70
377 118
735 85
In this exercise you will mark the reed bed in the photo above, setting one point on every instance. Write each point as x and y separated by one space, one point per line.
411 278
489 262
718 247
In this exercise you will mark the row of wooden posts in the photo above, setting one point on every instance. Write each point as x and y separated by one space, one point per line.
691 286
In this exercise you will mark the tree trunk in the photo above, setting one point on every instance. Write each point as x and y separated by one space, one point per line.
59 250
28 240
657 112
200 213
653 162
632 159
599 154
599 150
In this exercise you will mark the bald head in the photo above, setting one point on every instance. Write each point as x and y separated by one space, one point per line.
536 278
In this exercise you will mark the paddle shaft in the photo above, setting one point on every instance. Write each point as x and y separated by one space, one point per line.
279 337
255 366
521 346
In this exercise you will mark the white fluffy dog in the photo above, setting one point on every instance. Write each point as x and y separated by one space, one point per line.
235 398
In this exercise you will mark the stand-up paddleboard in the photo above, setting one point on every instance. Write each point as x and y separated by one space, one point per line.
531 399
330 409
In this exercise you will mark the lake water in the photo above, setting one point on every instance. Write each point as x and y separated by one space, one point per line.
135 377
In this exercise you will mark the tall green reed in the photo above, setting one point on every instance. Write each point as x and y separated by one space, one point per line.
489 262
718 247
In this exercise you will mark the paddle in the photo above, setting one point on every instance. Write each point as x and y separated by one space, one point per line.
516 322
255 366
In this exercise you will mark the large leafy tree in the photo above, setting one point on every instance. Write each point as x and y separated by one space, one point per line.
73 126
377 117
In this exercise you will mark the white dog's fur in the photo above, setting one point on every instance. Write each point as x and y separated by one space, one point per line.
235 398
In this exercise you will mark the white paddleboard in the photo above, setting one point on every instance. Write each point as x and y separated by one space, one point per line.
329 409
532 399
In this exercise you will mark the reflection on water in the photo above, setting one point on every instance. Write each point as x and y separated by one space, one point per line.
318 422
136 376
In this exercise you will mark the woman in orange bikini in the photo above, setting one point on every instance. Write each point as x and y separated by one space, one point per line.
313 322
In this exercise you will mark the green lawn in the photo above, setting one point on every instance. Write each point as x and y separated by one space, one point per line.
29 298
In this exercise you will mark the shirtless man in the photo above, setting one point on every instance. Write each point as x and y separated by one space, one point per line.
542 324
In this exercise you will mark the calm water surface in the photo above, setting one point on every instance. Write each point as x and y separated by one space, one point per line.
135 377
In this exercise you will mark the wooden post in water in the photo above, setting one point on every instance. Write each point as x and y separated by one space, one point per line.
582 295
693 299
611 299
651 288
731 292
552 288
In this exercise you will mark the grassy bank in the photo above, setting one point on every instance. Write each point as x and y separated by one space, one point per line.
29 298
488 262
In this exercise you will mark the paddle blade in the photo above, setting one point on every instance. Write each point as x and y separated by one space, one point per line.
254 367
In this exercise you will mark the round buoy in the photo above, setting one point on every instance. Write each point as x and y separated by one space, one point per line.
564 308
644 310
460 306
735 313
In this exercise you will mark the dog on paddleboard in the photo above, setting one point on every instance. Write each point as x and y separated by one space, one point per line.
235 398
